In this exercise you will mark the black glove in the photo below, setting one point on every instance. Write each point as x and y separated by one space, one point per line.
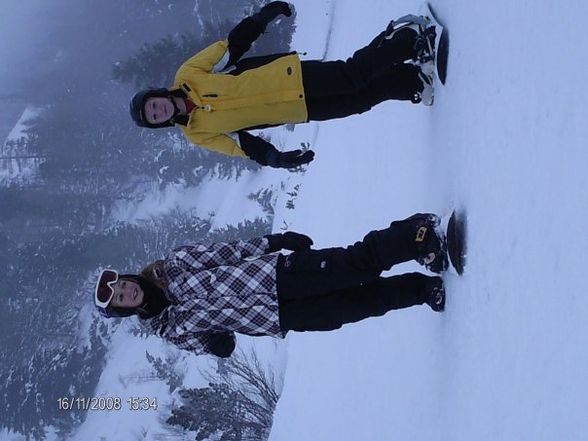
242 37
249 29
221 345
288 241
294 158
270 11
265 153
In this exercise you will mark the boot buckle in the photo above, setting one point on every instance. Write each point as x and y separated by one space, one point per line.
421 233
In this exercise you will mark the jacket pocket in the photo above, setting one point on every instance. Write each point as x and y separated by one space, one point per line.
308 261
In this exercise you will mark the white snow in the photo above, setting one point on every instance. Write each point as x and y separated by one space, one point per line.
125 377
128 375
18 131
223 201
506 140
9 435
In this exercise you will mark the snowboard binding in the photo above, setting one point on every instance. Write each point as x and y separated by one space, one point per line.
439 41
424 47
440 242
431 243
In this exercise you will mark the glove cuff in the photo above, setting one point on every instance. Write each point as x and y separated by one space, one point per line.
274 242
222 345
272 10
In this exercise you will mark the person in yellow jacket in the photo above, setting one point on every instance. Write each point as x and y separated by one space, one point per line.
217 96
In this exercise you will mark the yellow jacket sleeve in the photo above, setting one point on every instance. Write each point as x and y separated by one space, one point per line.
206 59
218 143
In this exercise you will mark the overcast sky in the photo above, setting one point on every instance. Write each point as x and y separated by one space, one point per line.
21 26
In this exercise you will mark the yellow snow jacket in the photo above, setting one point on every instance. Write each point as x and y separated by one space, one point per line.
271 94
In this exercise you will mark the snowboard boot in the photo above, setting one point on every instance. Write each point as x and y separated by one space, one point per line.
424 46
427 94
436 294
431 244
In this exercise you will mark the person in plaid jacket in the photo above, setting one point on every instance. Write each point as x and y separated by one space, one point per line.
199 296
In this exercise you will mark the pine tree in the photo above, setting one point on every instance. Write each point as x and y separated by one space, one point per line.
165 370
238 405
156 63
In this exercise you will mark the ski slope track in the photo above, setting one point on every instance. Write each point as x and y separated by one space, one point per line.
506 139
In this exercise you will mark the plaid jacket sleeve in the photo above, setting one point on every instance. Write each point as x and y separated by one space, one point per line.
199 343
220 253
196 342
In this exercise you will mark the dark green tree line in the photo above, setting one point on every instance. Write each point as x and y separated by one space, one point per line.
57 225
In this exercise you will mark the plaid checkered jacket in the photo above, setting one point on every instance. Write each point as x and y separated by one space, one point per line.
219 288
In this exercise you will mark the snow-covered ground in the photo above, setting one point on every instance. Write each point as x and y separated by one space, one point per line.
507 141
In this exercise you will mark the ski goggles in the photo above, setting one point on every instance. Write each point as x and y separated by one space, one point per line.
105 287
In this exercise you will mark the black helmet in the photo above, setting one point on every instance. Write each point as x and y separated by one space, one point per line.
137 107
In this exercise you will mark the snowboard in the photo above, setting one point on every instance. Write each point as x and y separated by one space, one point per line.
441 42
455 241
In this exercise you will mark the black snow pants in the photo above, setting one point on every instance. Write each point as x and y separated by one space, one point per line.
375 73
321 290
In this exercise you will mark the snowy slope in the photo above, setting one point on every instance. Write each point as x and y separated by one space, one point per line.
506 139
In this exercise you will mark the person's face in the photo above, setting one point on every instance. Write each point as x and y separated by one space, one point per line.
158 110
127 294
